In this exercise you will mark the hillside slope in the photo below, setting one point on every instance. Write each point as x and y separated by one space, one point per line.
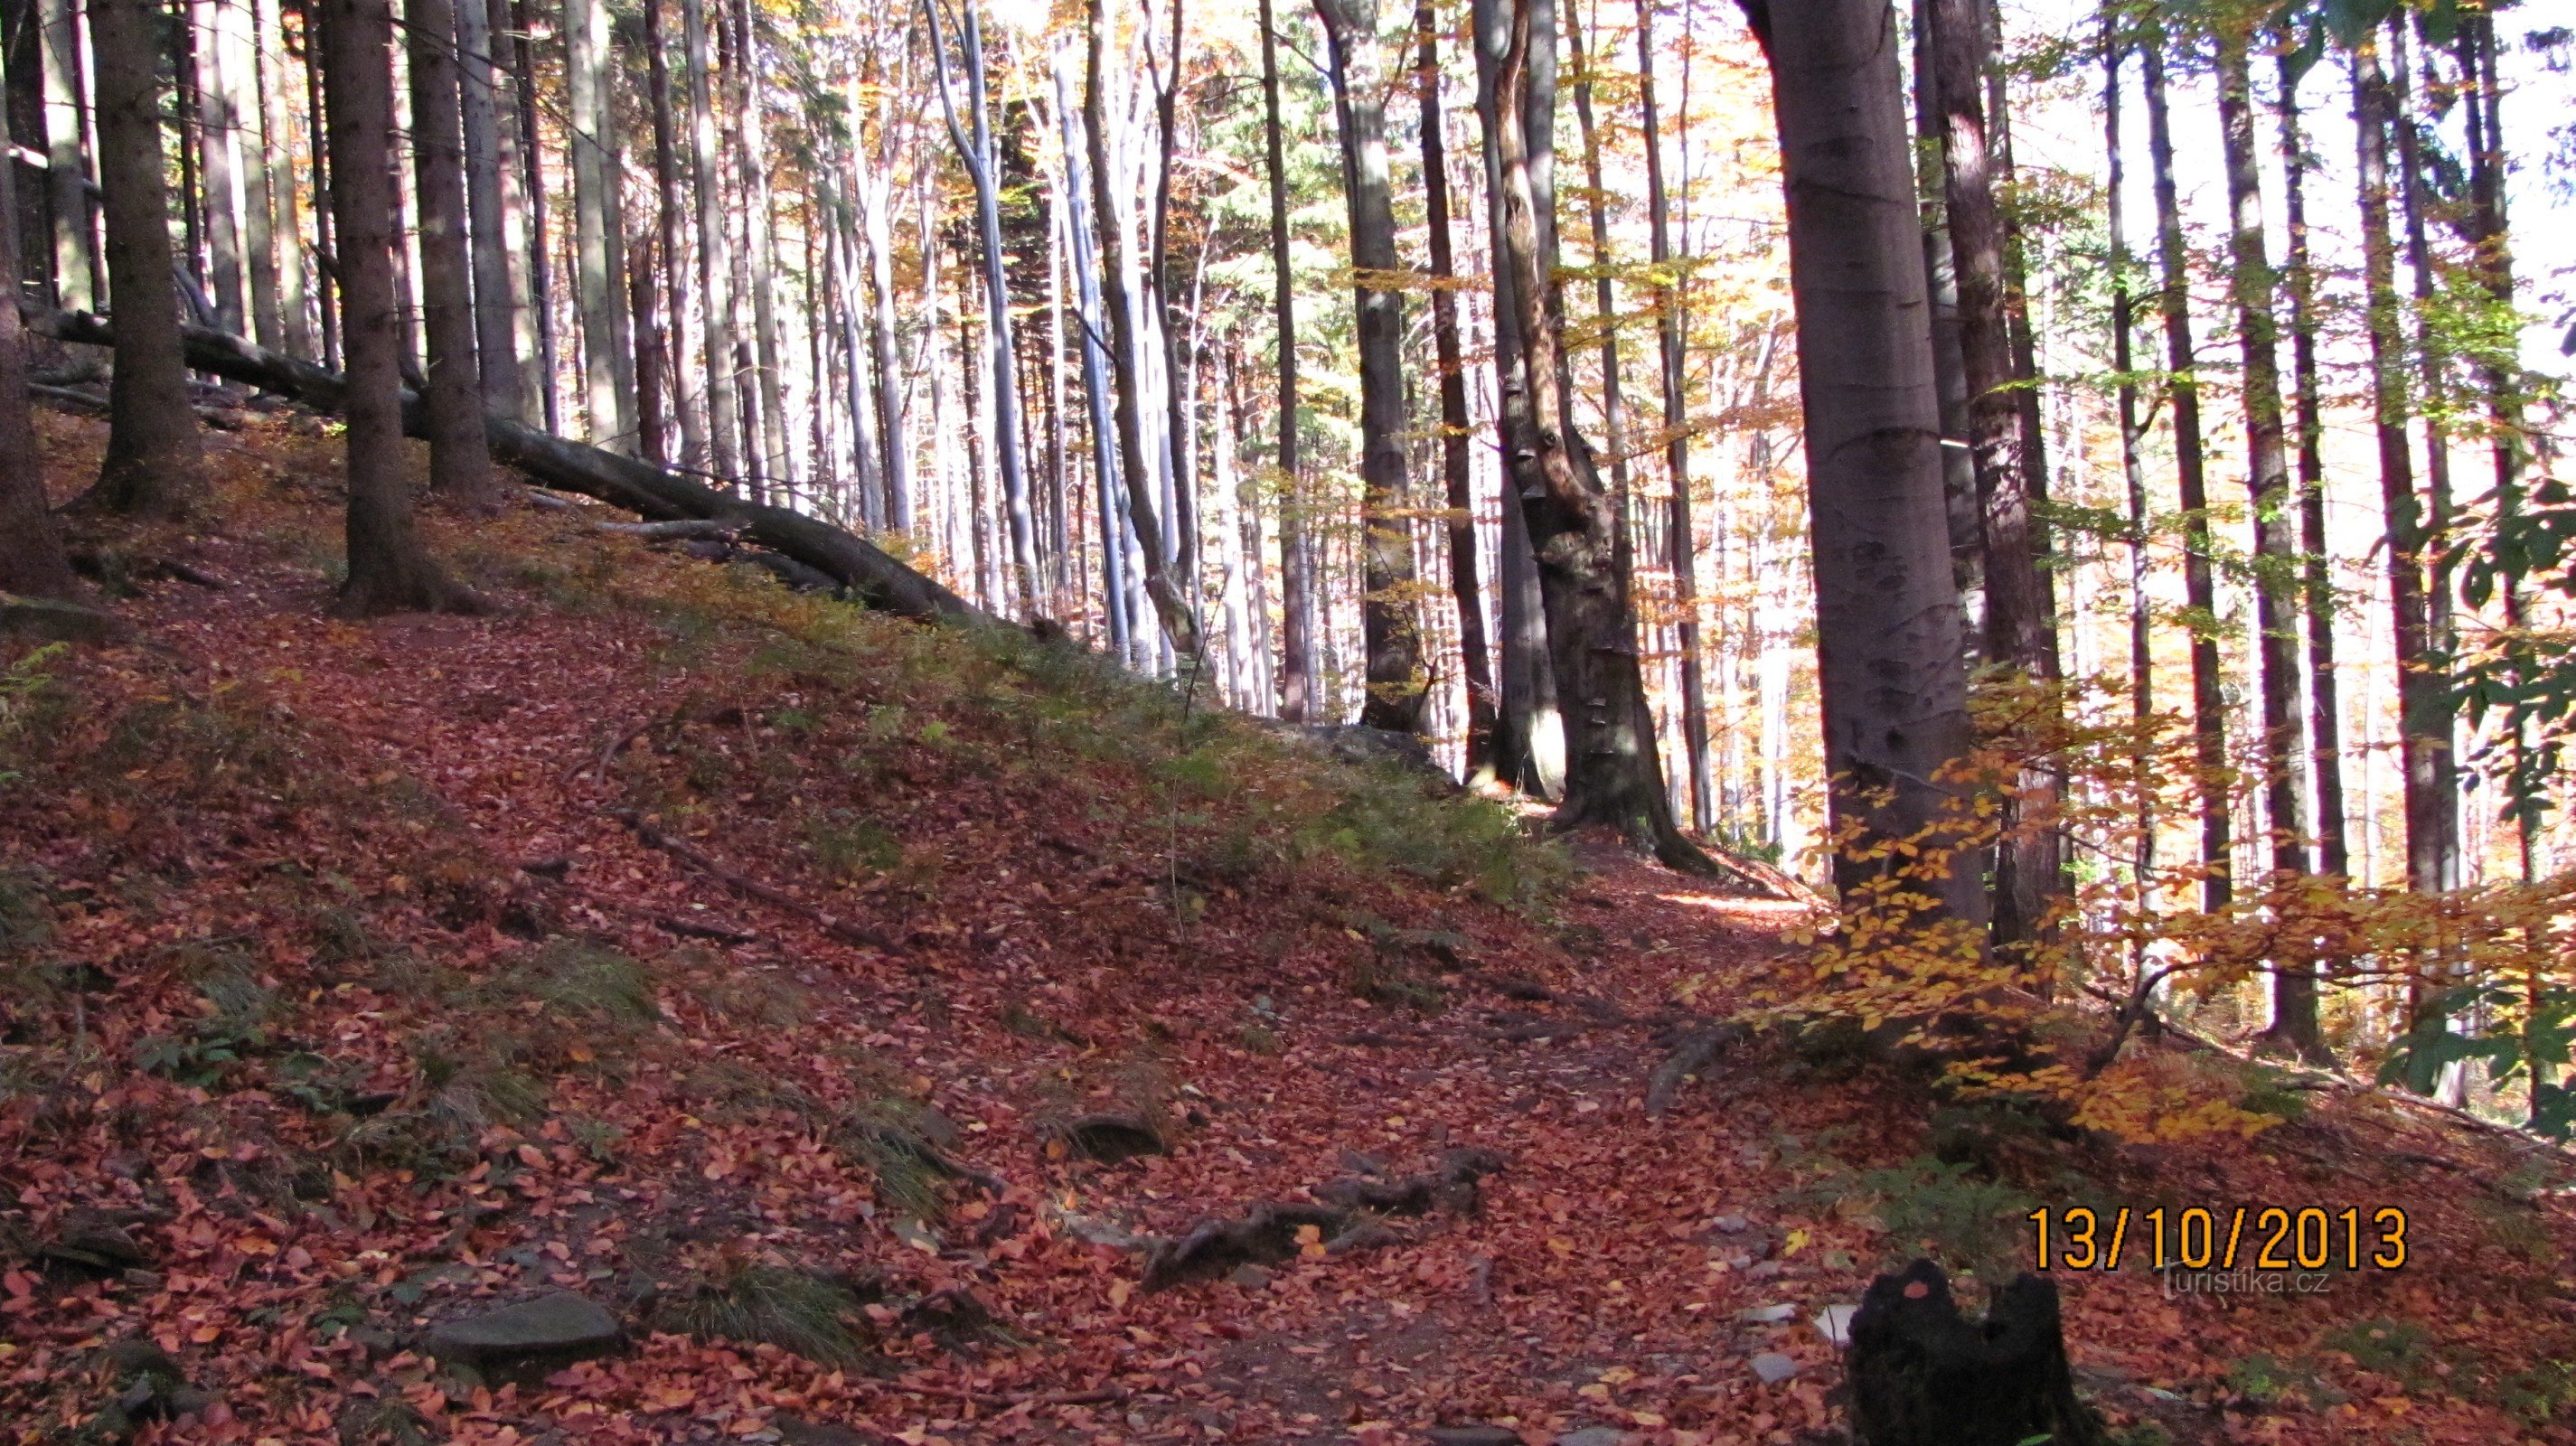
859 1012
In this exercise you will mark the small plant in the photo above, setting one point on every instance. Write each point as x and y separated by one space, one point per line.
1968 1223
754 1302
2398 1349
580 979
851 845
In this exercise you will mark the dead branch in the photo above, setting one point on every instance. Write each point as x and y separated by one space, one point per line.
839 928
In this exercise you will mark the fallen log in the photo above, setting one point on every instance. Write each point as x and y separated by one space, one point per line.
655 493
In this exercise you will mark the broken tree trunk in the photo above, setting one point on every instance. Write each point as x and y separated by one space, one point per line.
1924 1375
637 486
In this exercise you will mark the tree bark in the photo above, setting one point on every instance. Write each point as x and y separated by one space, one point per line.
1613 775
1671 335
2200 591
1179 623
66 160
1456 465
294 295
2334 851
687 402
154 464
982 161
2019 632
1390 636
599 282
460 465
32 562
2276 581
746 130
1891 661
1941 277
2124 364
487 212
715 263
219 150
390 570
1298 698
254 148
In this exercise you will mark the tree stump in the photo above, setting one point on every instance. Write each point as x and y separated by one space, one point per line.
1924 1375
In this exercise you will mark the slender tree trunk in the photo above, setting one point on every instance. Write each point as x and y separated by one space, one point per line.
1529 735
253 145
746 131
523 205
2019 632
2284 752
218 127
294 299
326 292
487 213
715 263
460 464
608 400
982 160
1298 698
1456 464
1613 775
1179 625
389 568
32 562
66 161
1160 303
1671 335
2424 732
2124 363
1891 657
2334 854
2200 590
1941 275
688 402
1097 387
1390 634
154 464
2432 360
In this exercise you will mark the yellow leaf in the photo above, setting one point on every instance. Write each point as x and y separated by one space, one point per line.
1796 1242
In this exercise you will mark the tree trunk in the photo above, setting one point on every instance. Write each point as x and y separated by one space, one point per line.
389 569
2284 738
2431 793
1613 775
2124 362
715 263
523 203
254 147
154 464
487 212
1941 277
294 299
599 282
460 465
982 160
688 402
32 563
2019 633
1390 636
67 162
746 130
1891 661
1456 464
1179 625
1529 736
1671 333
2440 722
1298 699
1097 387
2200 591
219 166
2334 853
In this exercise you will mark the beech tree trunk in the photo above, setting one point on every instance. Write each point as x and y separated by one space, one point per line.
1671 332
487 210
715 262
1396 683
219 156
982 161
460 465
2124 361
2200 590
687 402
599 281
1456 465
294 295
390 570
154 465
1891 660
2284 738
32 563
1613 776
1180 624
1297 696
2334 852
1941 278
66 160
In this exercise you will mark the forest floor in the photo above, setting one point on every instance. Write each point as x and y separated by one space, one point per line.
771 974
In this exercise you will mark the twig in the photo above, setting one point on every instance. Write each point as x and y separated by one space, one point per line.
716 930
615 746
1097 1396
839 928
